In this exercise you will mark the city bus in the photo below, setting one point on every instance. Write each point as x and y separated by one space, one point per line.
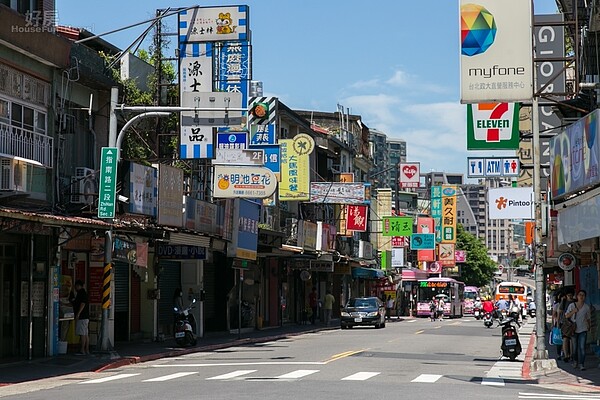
451 290
517 289
471 293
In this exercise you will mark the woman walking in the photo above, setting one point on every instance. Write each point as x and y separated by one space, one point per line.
580 313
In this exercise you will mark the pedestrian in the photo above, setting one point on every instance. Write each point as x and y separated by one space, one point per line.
81 309
440 308
557 319
567 346
580 313
389 307
432 309
313 303
328 306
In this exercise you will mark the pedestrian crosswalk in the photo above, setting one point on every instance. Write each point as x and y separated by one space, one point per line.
251 374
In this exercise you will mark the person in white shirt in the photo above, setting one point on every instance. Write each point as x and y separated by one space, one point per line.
580 313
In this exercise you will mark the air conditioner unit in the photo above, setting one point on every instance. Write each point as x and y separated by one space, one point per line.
13 175
84 186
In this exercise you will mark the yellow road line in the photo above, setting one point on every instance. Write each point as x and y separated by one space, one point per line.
339 356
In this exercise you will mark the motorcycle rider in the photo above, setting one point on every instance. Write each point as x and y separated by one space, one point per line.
488 306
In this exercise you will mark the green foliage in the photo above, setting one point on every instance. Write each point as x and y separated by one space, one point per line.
143 141
479 268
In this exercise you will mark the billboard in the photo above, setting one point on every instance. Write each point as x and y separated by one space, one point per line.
214 24
340 193
233 181
511 203
496 60
575 154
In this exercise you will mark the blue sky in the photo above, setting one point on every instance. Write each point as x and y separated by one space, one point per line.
395 62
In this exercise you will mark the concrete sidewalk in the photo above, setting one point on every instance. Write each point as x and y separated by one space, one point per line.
556 374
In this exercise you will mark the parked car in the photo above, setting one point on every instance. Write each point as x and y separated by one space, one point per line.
363 311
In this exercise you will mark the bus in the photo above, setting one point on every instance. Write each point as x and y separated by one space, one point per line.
517 289
471 293
451 290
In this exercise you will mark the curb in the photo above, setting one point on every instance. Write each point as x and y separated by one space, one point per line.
526 368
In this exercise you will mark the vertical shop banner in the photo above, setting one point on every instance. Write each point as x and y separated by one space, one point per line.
436 211
195 76
234 70
357 218
143 189
493 126
496 60
448 214
425 225
244 242
170 196
549 44
295 168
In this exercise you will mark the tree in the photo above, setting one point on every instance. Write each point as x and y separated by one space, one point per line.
479 268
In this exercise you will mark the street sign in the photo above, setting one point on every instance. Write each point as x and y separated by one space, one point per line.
108 182
232 140
239 156
482 167
218 101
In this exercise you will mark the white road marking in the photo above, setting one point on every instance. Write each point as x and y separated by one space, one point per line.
360 376
427 378
108 378
169 377
233 364
492 381
233 374
558 396
297 374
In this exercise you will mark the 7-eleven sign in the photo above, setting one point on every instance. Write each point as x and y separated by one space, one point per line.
493 126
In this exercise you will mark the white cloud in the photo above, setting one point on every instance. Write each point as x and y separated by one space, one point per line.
400 78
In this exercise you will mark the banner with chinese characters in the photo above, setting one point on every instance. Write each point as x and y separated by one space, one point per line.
357 218
195 76
410 174
425 225
448 214
436 211
397 226
295 168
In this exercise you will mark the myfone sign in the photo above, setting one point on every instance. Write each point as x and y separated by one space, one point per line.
511 203
493 126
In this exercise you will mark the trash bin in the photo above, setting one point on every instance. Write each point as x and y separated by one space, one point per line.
62 347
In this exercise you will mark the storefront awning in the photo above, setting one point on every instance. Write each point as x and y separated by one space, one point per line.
367 273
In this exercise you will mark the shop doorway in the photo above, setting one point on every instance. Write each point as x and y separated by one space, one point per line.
9 309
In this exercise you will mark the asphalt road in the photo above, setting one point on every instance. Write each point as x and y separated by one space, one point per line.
416 359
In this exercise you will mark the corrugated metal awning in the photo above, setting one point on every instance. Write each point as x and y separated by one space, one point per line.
189 239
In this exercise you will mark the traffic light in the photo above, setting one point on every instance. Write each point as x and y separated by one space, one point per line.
260 110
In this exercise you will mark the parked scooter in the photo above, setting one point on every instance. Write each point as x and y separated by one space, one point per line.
511 345
185 326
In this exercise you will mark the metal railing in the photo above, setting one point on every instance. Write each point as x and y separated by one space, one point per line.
19 142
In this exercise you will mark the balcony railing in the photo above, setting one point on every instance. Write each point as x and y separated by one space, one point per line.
23 143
